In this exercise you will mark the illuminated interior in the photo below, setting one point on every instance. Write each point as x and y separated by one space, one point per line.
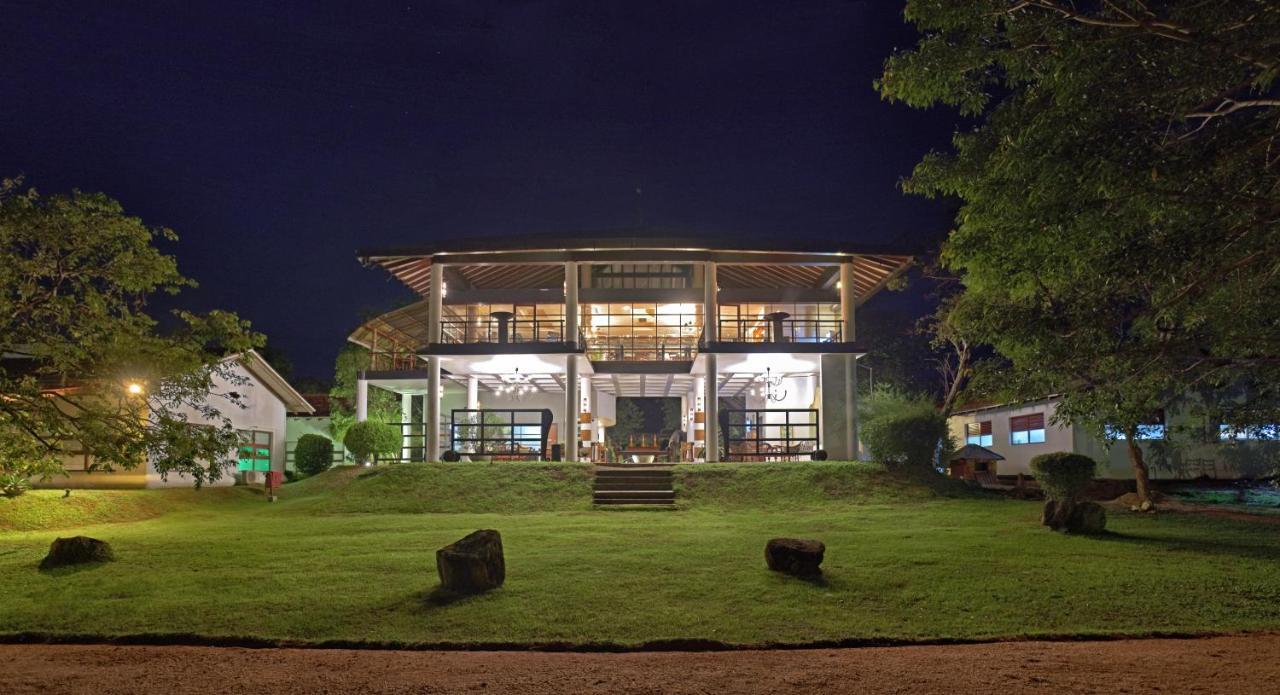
642 332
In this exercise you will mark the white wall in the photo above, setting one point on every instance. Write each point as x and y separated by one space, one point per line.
1017 457
262 410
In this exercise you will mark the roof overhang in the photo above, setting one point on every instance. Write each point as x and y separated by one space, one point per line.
271 379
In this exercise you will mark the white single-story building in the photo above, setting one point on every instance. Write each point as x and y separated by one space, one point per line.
267 398
1021 431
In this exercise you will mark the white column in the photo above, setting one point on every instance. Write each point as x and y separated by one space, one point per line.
571 406
473 392
431 416
571 307
435 303
711 403
855 445
850 404
847 299
406 426
710 303
362 398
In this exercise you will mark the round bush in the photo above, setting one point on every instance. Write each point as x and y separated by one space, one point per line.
365 439
819 455
1062 475
450 456
314 454
905 433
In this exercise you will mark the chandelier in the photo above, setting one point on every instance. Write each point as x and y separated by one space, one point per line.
515 385
768 386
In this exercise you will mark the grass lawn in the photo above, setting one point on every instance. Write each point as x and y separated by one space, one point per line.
352 558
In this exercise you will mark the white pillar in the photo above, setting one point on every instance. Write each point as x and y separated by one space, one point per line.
850 405
435 303
571 407
406 426
571 308
431 416
855 444
847 299
362 398
473 392
711 404
710 303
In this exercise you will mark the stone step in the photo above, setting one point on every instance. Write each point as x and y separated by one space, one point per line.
640 492
665 502
631 483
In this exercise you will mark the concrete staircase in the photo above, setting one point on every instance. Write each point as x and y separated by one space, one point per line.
635 485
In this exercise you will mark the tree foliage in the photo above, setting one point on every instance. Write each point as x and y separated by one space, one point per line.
313 454
1062 475
904 432
75 277
629 420
1117 242
384 406
365 440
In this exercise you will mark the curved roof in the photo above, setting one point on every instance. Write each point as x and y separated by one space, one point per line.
634 238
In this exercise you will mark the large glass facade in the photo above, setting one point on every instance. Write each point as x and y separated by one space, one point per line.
484 323
642 276
796 322
642 332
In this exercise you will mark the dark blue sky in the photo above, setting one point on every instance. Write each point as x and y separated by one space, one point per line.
276 138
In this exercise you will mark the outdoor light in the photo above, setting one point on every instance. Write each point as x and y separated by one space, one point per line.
134 388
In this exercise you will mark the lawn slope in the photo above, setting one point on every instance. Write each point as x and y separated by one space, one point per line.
349 556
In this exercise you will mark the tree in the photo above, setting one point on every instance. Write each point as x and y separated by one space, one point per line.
1121 198
904 432
367 439
83 362
313 454
384 406
629 420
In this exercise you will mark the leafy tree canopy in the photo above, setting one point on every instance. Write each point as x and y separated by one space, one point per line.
1117 241
75 276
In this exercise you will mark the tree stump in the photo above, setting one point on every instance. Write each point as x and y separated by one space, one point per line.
794 556
1074 517
473 564
76 550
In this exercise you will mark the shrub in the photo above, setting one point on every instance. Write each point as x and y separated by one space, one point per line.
365 439
13 484
905 433
1062 475
314 454
20 462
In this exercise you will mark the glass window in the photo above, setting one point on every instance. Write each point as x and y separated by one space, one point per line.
255 450
1255 433
1027 429
978 433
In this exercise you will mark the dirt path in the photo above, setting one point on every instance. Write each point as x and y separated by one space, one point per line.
1237 665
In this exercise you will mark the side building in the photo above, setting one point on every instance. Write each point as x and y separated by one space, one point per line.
1175 445
520 348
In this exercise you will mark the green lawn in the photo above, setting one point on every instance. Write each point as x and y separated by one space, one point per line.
344 557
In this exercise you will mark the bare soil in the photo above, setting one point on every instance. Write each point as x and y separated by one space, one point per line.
1232 664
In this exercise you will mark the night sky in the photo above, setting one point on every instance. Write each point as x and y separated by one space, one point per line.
276 138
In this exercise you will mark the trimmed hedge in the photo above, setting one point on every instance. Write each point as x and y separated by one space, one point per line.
364 439
314 454
1063 476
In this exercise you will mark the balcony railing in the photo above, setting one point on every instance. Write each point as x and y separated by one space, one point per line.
776 329
392 360
642 349
494 329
